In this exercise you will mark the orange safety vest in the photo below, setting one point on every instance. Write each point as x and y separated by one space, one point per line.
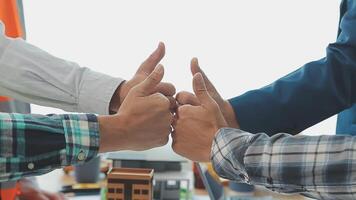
10 17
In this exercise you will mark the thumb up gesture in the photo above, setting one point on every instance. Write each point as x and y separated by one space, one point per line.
143 120
196 125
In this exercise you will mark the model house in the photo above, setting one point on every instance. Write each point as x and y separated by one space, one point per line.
130 184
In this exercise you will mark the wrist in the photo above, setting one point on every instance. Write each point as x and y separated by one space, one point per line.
229 114
112 133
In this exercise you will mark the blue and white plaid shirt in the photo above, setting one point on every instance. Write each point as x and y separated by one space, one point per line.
36 144
321 167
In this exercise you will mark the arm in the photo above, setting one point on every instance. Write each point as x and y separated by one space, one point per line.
319 166
316 166
309 95
36 144
32 75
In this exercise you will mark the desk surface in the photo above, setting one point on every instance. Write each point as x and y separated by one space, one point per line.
53 182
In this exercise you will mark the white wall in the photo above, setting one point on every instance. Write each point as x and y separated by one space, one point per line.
242 44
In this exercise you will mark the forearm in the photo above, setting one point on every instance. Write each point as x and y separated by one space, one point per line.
32 75
310 165
36 144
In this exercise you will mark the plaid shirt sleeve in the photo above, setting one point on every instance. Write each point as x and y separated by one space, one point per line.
322 167
36 144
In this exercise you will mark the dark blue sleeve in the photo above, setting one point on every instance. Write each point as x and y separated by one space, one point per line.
309 95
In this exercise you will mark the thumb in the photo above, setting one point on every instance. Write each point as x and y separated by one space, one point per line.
200 90
151 62
147 87
195 68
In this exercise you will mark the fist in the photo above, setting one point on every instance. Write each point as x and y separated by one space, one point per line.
144 119
195 126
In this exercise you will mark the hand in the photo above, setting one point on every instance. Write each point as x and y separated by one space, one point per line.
196 126
30 191
143 120
141 74
189 98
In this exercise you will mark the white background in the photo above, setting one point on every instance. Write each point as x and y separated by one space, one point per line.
242 45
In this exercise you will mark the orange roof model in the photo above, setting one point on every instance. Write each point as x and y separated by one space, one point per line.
130 184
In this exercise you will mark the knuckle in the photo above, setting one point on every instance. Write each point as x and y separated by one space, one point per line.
183 99
187 98
171 88
178 103
164 102
183 110
167 88
181 96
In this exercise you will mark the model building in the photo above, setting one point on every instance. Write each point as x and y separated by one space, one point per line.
130 184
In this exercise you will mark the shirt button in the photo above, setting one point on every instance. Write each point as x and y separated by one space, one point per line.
81 156
31 166
243 177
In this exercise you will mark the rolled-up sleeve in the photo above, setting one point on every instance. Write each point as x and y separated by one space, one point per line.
32 75
320 167
37 144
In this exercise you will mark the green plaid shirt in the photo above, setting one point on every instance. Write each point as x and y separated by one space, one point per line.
37 144
321 167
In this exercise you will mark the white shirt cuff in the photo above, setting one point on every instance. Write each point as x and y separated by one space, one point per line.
96 91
